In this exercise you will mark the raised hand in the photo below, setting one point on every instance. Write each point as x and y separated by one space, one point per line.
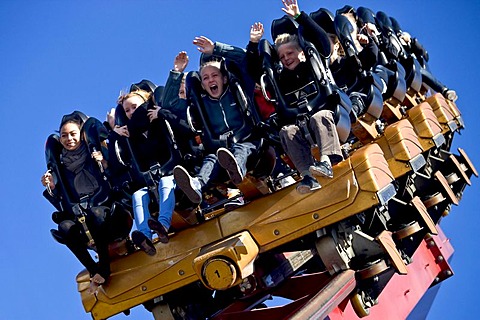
204 45
180 62
256 32
291 7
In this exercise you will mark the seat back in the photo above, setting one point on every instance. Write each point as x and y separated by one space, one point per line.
413 73
394 77
328 96
126 156
94 134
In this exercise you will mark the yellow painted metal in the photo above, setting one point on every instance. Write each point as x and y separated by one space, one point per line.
425 124
400 144
391 110
225 263
219 274
271 221
442 111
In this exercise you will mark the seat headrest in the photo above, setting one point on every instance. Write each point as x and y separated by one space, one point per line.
384 22
120 116
158 95
192 82
324 18
396 25
282 25
347 9
344 29
76 116
365 15
145 85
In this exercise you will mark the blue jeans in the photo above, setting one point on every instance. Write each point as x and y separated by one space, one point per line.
141 199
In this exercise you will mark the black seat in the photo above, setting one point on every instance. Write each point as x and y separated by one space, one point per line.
324 18
105 199
328 96
282 25
145 85
125 154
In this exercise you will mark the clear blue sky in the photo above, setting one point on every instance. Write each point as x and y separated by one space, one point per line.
58 55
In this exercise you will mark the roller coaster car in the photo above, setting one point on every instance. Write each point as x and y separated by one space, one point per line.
109 200
350 240
222 251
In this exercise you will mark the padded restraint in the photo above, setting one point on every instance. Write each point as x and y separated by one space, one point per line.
195 94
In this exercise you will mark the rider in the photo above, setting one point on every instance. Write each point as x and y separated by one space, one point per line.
78 170
296 75
225 118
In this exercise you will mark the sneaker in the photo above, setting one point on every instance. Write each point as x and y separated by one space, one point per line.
322 169
142 241
307 185
234 204
159 229
229 163
190 186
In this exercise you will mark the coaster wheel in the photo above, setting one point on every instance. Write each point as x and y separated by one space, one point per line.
408 230
359 306
372 269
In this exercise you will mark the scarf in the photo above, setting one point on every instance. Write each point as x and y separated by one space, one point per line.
75 161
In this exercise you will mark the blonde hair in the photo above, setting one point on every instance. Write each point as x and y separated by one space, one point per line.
145 95
211 63
285 38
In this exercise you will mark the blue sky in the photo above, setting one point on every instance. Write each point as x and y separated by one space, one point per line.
57 56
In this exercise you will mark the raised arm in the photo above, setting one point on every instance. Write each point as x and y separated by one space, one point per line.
311 30
254 64
229 52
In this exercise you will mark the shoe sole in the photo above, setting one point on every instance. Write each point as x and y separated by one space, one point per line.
183 180
306 189
159 230
232 205
228 162
319 173
141 241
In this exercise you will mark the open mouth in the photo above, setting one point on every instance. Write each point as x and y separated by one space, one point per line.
214 89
